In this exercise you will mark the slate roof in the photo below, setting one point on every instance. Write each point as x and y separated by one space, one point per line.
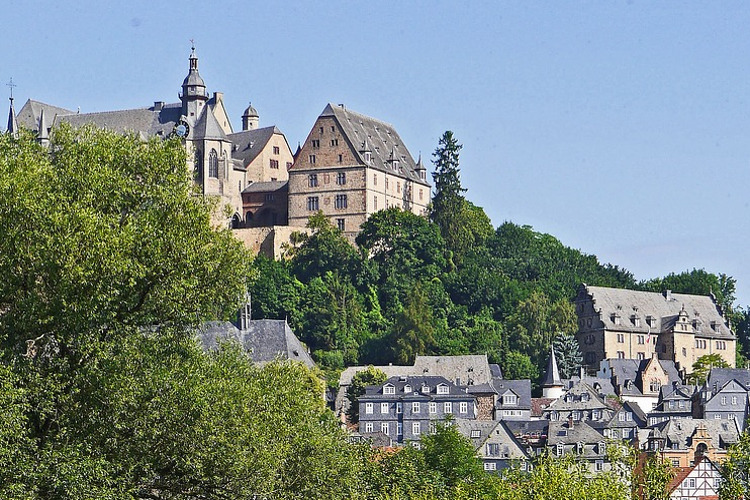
381 138
266 187
718 377
680 431
579 397
492 432
28 116
628 302
563 432
623 370
147 122
467 370
264 339
522 388
249 143
207 127
552 374
416 384
601 385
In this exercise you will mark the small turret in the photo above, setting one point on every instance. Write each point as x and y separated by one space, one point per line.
194 93
552 386
12 121
250 118
43 130
420 168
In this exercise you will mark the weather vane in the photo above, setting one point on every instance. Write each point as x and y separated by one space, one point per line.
192 43
10 84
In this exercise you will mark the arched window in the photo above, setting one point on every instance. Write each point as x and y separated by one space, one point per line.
213 164
235 221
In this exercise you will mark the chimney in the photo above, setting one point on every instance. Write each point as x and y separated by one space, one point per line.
668 295
158 105
218 96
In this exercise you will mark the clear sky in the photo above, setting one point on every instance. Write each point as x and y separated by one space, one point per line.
621 128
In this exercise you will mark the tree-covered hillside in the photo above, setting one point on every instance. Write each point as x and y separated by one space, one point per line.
411 286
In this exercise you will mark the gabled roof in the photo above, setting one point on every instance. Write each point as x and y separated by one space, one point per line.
521 388
28 116
552 374
718 377
147 122
467 370
562 432
703 468
207 127
264 339
624 370
663 308
266 187
495 432
579 397
381 137
681 431
249 143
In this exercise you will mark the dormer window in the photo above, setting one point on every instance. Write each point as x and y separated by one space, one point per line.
510 399
443 389
407 388
635 320
579 448
559 449
389 389
650 321
615 318
425 389
584 397
602 447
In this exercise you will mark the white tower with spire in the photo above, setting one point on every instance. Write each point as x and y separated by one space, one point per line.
552 386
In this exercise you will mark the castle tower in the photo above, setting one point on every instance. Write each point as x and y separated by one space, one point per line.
250 118
552 386
194 95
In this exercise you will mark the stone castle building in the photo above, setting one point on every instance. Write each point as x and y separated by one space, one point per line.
223 162
350 166
629 324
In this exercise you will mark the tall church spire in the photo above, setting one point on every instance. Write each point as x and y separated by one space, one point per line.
12 121
552 386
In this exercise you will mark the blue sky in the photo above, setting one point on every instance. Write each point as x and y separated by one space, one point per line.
621 128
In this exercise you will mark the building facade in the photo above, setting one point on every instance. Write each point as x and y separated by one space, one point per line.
349 167
629 324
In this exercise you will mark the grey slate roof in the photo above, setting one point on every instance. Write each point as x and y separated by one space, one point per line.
579 397
266 187
623 370
468 370
718 377
628 302
680 431
552 374
147 122
416 384
490 431
264 339
567 433
207 127
249 143
601 385
28 116
381 138
521 388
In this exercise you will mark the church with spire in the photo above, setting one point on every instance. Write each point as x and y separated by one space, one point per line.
224 163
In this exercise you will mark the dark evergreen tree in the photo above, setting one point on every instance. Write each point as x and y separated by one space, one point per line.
568 354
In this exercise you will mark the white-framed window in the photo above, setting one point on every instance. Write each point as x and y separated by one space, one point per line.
734 400
559 449
368 427
415 407
399 407
384 428
442 389
490 466
369 408
447 407
407 388
389 389
723 400
599 465
384 408
416 428
400 429
510 399
433 407
463 407
475 433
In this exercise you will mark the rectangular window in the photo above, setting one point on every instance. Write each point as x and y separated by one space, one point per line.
383 407
368 427
621 354
384 428
341 224
734 400
369 408
398 187
312 203
341 178
490 466
374 179
399 408
334 142
341 158
620 338
464 407
433 407
641 339
270 197
312 159
276 150
375 203
415 407
312 180
723 400
341 201
641 355
416 429
599 466
420 195
288 165
316 143
389 389
447 407
274 163
400 429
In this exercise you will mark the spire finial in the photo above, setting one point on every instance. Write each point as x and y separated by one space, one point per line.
192 44
10 84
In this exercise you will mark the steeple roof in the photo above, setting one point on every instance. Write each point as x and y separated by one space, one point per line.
207 127
12 121
552 375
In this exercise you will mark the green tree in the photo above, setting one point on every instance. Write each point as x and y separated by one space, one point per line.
452 456
414 328
360 381
568 354
735 470
652 478
703 365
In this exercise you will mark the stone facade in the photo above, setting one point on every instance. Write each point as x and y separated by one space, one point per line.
629 324
350 166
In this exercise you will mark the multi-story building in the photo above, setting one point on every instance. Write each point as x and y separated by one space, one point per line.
494 443
701 481
639 380
675 402
405 408
682 442
579 403
724 397
222 162
350 166
579 438
629 324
